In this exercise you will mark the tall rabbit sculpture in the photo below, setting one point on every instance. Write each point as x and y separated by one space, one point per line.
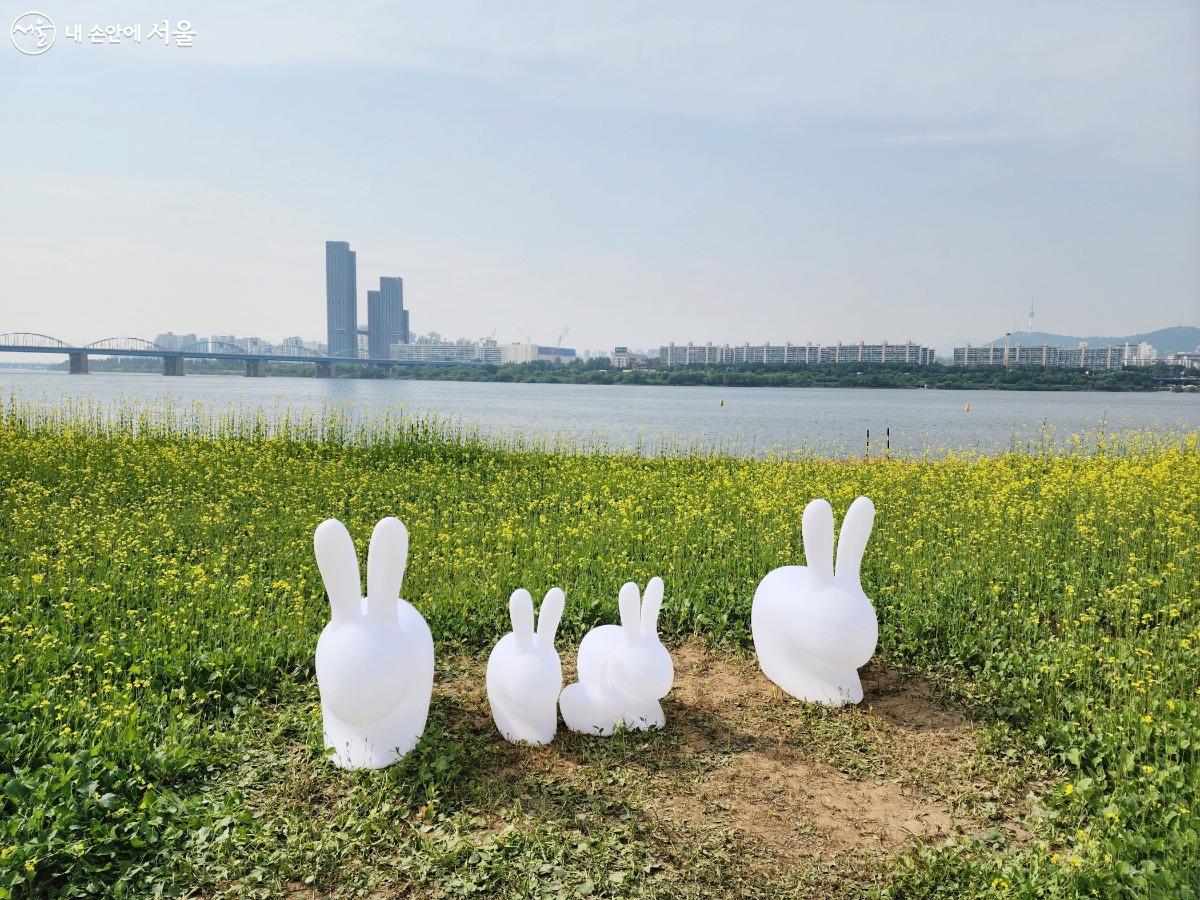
524 674
375 657
813 628
624 670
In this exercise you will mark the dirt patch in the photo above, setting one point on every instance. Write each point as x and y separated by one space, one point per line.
802 781
793 808
795 784
718 684
906 700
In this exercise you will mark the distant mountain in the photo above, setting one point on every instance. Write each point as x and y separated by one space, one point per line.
1177 339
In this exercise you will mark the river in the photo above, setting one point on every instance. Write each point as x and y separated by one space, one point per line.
747 421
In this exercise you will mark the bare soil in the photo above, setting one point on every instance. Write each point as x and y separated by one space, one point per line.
793 784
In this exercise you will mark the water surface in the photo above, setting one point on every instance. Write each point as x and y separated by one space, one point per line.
752 421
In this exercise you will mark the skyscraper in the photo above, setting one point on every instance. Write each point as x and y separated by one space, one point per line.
387 319
392 291
341 298
376 349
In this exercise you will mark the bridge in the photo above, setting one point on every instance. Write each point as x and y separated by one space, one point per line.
255 361
1180 380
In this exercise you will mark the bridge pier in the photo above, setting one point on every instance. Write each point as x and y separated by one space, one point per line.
256 368
78 363
172 365
324 370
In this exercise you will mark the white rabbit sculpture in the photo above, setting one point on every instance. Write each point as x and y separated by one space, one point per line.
813 628
624 670
524 673
375 657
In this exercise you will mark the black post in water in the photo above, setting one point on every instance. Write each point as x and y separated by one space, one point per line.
868 453
888 449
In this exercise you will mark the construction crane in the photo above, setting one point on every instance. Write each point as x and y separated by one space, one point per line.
562 334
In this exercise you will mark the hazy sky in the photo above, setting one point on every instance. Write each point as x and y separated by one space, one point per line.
639 172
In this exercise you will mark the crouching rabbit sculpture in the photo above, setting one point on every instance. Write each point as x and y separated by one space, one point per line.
375 657
624 670
813 627
524 673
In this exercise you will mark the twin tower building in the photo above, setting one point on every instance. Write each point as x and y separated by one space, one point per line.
387 319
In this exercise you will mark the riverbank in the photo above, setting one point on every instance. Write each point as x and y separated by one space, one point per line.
1031 716
931 377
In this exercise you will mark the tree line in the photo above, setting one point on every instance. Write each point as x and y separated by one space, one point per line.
938 376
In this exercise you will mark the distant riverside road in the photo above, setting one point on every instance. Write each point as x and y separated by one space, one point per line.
657 418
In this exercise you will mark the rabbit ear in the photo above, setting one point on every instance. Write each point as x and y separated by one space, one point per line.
631 610
549 616
818 537
651 603
852 542
339 569
385 564
520 610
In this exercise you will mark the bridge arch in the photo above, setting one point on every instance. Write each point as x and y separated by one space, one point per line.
32 339
125 343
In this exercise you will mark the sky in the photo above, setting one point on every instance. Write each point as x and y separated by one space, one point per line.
635 172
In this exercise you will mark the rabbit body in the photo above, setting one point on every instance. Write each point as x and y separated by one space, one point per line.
624 670
524 673
375 656
813 628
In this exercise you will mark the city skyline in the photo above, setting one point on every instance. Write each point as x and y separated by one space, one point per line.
631 174
388 326
387 335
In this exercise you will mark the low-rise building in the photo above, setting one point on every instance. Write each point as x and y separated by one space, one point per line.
426 349
1111 356
254 344
172 341
624 358
1187 360
1147 355
294 345
790 354
526 353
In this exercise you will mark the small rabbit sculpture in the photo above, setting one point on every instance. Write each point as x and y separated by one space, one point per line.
524 674
375 657
813 628
624 670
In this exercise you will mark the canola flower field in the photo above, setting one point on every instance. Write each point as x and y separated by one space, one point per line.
160 605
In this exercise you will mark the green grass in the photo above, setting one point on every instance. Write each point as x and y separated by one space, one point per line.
159 608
